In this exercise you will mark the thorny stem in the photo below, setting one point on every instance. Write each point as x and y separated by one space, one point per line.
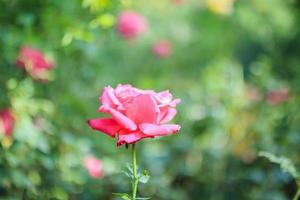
135 179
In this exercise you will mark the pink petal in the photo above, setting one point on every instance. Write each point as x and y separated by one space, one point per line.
162 48
165 94
131 24
93 166
168 114
33 56
108 97
103 109
7 120
121 88
122 119
143 109
126 93
159 130
108 126
165 98
175 102
129 137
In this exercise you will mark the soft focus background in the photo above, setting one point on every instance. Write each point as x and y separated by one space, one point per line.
234 63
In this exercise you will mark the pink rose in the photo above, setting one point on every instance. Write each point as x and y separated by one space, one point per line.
131 24
7 122
135 114
34 62
277 96
162 48
178 2
93 166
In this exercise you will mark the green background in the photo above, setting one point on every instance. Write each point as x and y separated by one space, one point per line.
219 61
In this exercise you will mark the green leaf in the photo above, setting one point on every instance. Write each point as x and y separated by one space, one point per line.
127 174
128 171
124 196
285 163
144 178
67 39
143 198
129 168
105 21
59 193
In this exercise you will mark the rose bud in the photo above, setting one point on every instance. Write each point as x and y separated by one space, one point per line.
131 24
162 49
34 62
178 2
276 97
7 121
93 166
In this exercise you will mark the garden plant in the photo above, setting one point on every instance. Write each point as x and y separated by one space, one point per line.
96 96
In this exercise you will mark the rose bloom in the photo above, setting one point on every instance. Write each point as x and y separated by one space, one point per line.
93 166
135 114
7 121
162 48
34 62
131 24
178 2
276 97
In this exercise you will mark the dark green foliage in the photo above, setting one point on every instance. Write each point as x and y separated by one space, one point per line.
223 67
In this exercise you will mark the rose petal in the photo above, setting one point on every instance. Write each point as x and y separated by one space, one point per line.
129 137
175 102
108 126
162 98
7 121
131 24
121 88
109 98
143 109
122 119
126 93
93 166
159 130
168 114
165 98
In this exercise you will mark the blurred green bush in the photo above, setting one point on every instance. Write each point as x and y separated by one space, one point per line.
234 63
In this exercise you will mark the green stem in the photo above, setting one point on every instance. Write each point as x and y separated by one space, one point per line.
135 179
296 197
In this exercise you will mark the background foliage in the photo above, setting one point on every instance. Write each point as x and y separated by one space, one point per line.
228 58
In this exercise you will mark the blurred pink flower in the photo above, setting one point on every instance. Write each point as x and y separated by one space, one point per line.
253 95
94 166
7 121
178 2
34 62
135 113
276 97
131 24
162 48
